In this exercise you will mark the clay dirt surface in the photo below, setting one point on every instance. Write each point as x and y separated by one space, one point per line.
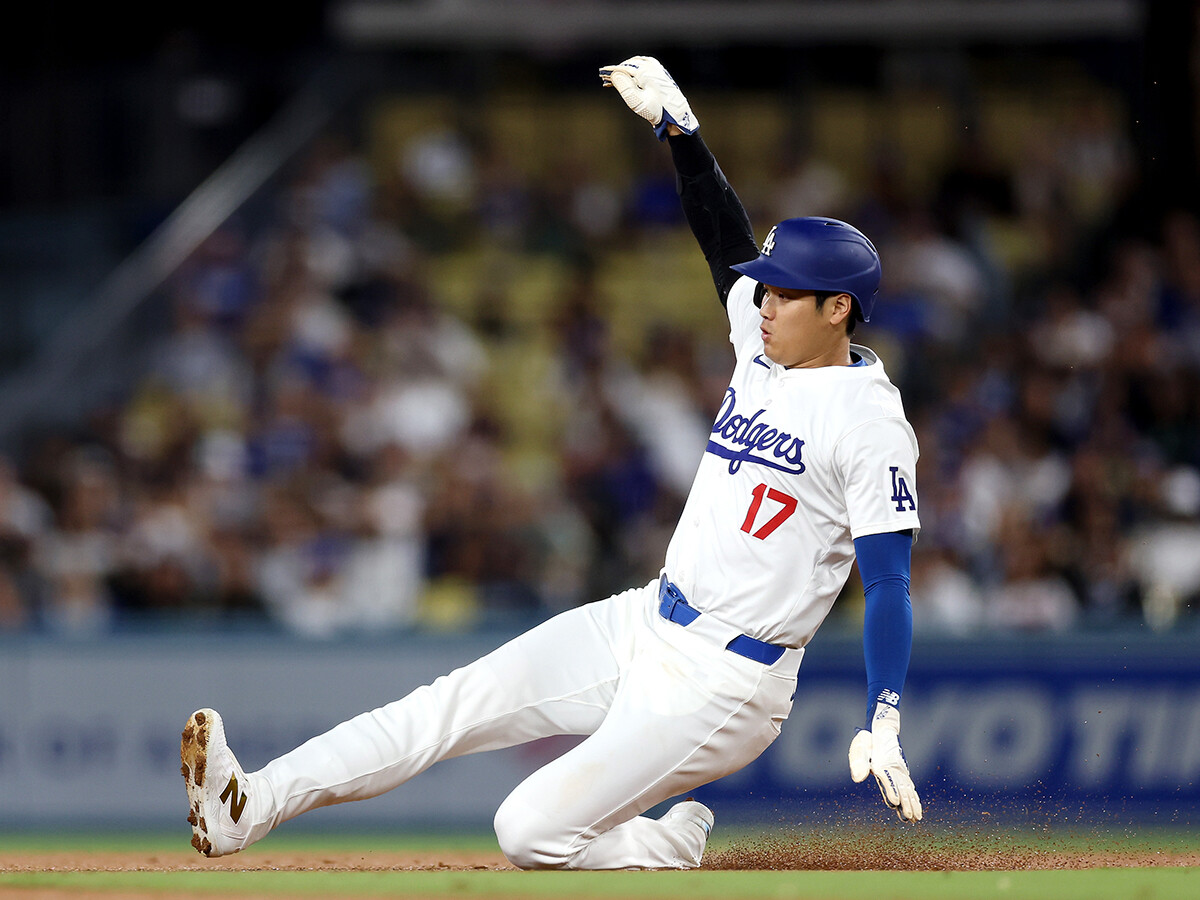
886 850
967 851
287 860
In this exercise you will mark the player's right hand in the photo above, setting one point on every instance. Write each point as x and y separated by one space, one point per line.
877 752
650 91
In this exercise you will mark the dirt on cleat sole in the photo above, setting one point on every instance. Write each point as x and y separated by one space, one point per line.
193 762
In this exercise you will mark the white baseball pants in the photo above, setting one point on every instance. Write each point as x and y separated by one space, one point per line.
666 708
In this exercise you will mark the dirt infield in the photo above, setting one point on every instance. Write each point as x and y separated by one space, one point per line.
809 852
968 852
188 860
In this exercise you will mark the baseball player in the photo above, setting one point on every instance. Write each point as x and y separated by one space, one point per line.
677 683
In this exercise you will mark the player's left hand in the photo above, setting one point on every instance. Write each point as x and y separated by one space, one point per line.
877 752
649 90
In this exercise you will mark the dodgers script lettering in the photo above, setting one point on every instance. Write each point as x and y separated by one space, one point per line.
753 441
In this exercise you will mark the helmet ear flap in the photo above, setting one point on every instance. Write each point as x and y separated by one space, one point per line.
760 293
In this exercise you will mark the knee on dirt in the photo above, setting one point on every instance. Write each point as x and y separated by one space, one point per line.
528 839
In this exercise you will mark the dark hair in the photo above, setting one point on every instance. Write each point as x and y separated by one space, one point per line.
852 319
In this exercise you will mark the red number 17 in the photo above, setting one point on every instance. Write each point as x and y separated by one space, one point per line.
789 507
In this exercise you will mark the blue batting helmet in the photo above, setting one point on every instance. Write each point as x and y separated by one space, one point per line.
817 254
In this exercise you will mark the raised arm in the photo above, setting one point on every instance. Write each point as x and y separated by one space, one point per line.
714 212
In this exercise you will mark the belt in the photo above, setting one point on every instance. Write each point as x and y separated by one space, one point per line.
672 605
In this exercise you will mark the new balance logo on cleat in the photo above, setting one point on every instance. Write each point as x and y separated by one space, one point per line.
236 803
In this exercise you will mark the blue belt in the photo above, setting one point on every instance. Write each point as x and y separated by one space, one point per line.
673 605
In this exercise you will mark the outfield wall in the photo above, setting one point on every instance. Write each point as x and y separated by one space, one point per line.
1040 731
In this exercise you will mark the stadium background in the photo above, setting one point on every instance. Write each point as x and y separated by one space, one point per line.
337 348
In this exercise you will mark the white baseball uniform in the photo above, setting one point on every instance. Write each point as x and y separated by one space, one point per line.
799 463
689 678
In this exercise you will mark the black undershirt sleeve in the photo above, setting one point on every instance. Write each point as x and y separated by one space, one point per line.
714 212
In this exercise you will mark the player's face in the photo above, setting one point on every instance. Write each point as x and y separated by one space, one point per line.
796 333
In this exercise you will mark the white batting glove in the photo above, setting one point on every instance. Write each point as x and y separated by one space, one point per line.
650 91
877 752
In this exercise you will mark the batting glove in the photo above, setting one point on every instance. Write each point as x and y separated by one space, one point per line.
650 91
877 752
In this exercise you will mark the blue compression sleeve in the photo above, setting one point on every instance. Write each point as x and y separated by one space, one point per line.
884 562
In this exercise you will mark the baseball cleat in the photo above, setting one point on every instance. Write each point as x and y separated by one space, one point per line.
217 787
694 822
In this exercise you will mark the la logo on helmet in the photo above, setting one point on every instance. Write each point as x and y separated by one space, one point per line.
769 243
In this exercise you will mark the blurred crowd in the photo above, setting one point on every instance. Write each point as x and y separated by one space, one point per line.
318 444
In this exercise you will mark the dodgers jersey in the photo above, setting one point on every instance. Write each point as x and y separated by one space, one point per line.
800 462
